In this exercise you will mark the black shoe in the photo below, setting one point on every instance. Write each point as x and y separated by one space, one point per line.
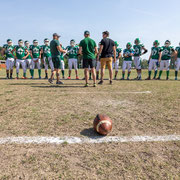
59 82
139 78
128 78
122 78
148 78
86 85
110 82
158 78
115 78
50 81
167 78
46 77
100 82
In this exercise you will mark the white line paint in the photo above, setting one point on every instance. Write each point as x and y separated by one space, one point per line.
106 92
86 140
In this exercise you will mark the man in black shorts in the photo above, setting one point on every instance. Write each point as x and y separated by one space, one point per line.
55 53
88 48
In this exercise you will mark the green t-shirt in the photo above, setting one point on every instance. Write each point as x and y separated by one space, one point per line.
178 51
46 51
53 47
29 57
128 52
8 51
88 46
155 52
20 52
138 49
166 52
36 50
73 52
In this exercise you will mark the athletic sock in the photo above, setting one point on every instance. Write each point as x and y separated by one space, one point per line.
149 72
46 74
90 75
129 74
167 73
32 72
17 74
176 74
7 75
24 74
97 76
39 72
10 75
123 74
155 74
62 73
160 73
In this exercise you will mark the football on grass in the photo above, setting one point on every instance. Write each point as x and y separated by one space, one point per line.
102 124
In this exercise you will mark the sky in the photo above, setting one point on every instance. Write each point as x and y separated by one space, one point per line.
124 19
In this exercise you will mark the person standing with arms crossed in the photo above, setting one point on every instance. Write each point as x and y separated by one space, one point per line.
88 48
106 51
56 50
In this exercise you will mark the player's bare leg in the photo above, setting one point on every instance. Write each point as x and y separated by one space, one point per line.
110 75
86 74
94 76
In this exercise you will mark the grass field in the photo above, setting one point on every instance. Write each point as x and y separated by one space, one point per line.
37 108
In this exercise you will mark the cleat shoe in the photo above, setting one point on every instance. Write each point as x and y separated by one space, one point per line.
110 82
115 78
100 82
176 78
77 78
86 85
63 77
83 78
136 78
94 85
50 81
158 78
59 82
46 77
167 78
16 78
69 77
148 78
32 77
39 77
128 78
139 78
122 79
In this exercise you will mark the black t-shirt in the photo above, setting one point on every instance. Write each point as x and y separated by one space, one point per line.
108 45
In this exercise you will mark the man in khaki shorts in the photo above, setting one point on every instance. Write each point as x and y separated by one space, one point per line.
106 51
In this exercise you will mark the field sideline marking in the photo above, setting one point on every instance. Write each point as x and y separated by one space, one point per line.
104 92
86 140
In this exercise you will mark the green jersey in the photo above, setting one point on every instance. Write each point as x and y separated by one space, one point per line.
138 49
29 57
8 51
128 52
118 51
36 50
166 52
73 52
46 51
20 52
62 54
178 51
155 52
53 46
88 46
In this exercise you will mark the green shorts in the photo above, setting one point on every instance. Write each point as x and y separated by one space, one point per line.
56 62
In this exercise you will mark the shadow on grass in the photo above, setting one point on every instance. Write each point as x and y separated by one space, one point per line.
59 86
90 133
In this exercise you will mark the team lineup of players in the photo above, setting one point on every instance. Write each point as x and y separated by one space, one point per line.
29 56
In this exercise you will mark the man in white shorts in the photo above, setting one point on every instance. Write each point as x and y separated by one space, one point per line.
115 65
21 55
177 61
154 59
7 51
127 63
36 55
46 52
73 58
29 58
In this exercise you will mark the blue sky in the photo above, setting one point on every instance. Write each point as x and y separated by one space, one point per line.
125 20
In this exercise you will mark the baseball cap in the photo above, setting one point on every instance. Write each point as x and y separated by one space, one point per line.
106 32
56 34
86 32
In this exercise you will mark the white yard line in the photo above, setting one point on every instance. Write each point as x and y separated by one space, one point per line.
86 140
107 92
